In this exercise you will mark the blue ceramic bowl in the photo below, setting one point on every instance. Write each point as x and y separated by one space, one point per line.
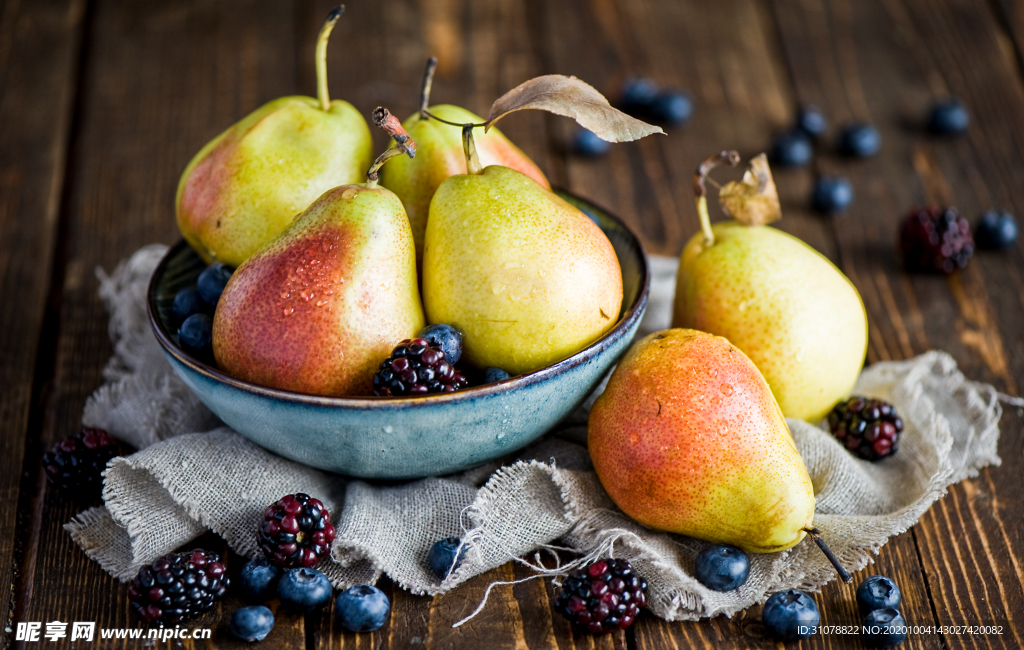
401 438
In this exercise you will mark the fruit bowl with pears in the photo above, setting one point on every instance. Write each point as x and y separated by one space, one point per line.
312 346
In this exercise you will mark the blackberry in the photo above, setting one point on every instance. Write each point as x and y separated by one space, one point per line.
935 240
296 531
869 428
178 586
76 463
602 597
416 368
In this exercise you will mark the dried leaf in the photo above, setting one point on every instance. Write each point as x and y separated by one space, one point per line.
573 98
754 201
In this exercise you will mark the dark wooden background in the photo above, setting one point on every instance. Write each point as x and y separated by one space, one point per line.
103 102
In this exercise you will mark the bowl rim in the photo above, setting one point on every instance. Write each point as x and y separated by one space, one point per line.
632 315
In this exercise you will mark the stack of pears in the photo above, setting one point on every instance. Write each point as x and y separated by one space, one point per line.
319 300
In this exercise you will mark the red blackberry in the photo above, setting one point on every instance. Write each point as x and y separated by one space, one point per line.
178 586
76 463
935 240
296 531
602 597
416 368
869 428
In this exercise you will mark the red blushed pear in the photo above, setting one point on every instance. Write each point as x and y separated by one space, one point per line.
247 184
688 438
440 155
318 308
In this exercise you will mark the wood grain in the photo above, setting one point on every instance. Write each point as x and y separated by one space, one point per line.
39 49
160 79
890 75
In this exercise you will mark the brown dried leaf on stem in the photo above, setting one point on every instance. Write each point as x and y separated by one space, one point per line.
570 97
754 201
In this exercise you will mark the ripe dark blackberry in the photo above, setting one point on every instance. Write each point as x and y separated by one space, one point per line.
296 531
178 586
76 463
935 240
869 428
602 597
416 368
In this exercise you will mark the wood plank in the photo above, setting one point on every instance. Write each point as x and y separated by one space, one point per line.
730 63
160 80
886 62
39 49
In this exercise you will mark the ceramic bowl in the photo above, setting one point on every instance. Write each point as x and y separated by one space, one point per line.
401 438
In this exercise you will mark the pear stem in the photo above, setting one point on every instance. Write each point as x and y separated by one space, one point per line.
321 57
404 144
732 158
428 81
443 121
469 147
840 569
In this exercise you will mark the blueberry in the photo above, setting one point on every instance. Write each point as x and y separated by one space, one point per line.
303 590
859 140
672 107
638 94
790 615
196 335
447 338
791 149
995 230
259 579
252 623
187 302
493 374
722 567
810 120
884 628
362 608
211 282
877 592
948 117
442 556
832 194
586 143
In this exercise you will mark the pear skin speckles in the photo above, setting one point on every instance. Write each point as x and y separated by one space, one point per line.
527 277
797 317
318 308
688 438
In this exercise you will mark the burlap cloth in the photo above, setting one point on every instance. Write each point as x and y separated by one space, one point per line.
192 475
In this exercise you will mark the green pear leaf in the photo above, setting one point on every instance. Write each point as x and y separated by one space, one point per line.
754 201
570 97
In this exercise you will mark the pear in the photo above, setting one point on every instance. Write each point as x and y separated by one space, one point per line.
687 438
525 276
318 308
784 304
247 184
439 155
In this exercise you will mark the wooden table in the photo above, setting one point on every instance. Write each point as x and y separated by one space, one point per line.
104 102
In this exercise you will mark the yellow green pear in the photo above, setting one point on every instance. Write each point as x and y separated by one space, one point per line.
784 304
688 438
525 276
318 308
247 184
439 155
